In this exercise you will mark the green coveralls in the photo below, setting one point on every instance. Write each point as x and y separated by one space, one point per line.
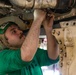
12 64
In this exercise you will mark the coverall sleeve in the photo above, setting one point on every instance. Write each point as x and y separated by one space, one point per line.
43 59
10 60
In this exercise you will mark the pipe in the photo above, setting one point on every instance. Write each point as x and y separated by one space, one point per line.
20 3
56 4
35 3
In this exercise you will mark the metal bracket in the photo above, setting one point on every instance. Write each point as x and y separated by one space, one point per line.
66 38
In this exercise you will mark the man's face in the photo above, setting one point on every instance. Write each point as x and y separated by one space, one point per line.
15 36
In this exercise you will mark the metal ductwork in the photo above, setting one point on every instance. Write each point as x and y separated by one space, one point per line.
59 4
35 3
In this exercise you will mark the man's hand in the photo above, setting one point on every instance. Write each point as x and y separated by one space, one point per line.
39 14
48 22
52 46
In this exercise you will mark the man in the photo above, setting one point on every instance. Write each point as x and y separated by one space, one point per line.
20 54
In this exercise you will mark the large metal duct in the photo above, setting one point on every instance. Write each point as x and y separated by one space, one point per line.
59 4
35 3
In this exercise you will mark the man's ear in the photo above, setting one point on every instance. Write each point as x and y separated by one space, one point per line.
2 42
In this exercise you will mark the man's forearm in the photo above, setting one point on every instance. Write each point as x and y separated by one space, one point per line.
30 44
52 46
